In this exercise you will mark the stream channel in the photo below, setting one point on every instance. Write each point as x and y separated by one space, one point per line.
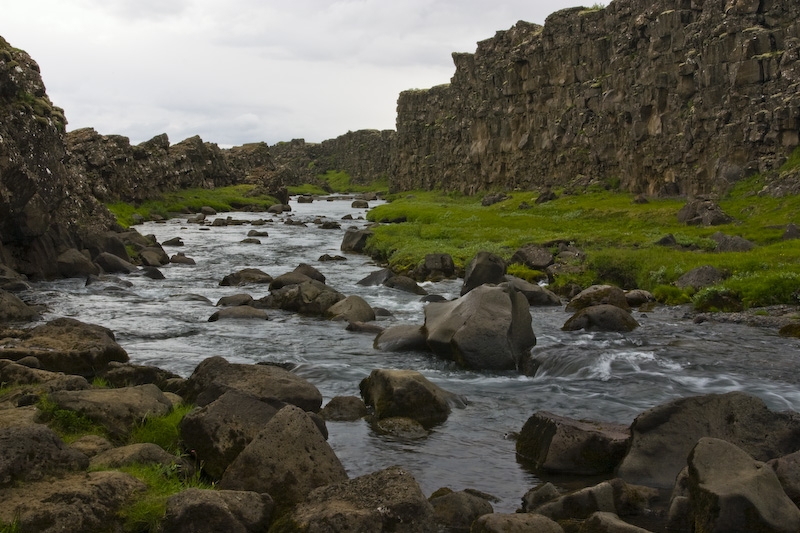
608 377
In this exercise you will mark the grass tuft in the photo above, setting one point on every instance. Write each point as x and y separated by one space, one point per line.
162 430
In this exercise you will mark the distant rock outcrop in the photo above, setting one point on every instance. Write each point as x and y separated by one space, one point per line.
660 97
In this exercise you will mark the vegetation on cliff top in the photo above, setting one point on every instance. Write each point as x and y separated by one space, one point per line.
191 200
340 182
617 235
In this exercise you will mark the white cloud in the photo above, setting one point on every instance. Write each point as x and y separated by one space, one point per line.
248 70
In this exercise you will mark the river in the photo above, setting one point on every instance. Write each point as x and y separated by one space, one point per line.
609 377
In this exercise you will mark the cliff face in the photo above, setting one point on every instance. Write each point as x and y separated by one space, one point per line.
662 97
366 155
43 207
113 169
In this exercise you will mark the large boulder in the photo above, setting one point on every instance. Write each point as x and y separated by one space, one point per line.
535 294
72 263
309 297
355 240
219 431
602 317
72 504
406 284
344 408
489 328
731 243
435 267
351 309
455 511
407 393
127 374
731 491
247 276
287 460
289 278
703 212
559 445
66 345
215 376
663 436
700 277
484 268
211 511
599 295
17 374
787 469
141 453
239 312
534 257
514 523
112 264
310 271
388 500
379 277
115 409
613 496
34 452
402 338
12 309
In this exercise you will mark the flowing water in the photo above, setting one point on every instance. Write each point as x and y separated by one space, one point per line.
599 376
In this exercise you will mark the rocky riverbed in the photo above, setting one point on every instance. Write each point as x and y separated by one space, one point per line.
741 378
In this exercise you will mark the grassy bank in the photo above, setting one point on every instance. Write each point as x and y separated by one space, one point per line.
340 182
617 235
221 199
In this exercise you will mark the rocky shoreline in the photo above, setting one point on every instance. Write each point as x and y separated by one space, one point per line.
258 433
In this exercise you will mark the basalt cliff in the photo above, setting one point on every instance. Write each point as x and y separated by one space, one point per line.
675 97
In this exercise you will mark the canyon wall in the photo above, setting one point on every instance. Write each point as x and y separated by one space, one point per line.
664 97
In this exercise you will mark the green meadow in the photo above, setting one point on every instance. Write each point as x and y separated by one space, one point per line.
617 235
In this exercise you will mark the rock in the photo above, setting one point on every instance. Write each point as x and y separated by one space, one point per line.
352 309
534 257
154 256
344 408
91 445
12 309
310 297
207 210
211 511
790 330
364 327
181 259
387 500
457 510
287 459
407 393
246 276
66 345
400 427
787 468
663 436
559 445
514 523
235 300
435 267
639 297
360 204
403 338
545 196
667 240
597 295
329 257
278 208
491 199
488 328
250 240
18 374
700 277
308 270
152 273
126 374
580 504
792 232
602 317
404 283
355 240
484 268
31 453
702 212
73 264
535 294
214 376
731 243
115 409
74 503
305 199
330 224
143 453
377 278
604 522
290 278
539 495
218 432
175 241
257 233
112 264
730 491
239 312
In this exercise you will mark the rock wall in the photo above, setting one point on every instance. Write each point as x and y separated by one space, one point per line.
661 97
366 155
114 170
44 209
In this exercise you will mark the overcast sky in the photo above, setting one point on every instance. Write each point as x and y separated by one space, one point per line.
239 71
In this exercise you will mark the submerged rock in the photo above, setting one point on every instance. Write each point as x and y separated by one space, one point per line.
602 317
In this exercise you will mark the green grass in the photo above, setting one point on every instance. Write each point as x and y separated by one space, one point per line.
307 189
70 425
191 200
339 181
147 510
162 430
617 235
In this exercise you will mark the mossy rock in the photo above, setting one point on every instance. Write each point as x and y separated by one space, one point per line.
790 330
